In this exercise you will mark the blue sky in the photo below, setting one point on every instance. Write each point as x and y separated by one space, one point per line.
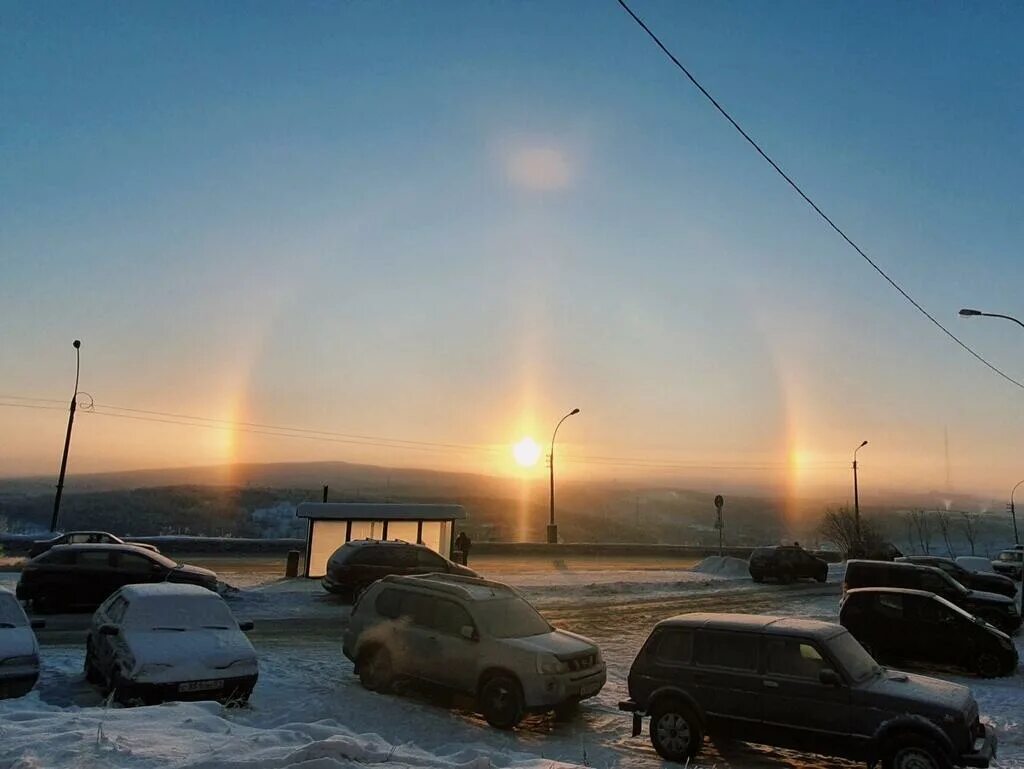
452 222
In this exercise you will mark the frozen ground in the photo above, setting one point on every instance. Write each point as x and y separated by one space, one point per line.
309 711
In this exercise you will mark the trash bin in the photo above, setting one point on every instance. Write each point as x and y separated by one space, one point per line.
291 568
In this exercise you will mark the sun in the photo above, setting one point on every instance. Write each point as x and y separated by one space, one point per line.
526 452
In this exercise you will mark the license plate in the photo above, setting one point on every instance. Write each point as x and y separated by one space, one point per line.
201 686
590 690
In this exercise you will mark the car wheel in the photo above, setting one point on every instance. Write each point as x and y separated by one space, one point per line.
913 751
757 578
676 731
375 670
786 577
822 577
988 665
501 702
92 673
567 710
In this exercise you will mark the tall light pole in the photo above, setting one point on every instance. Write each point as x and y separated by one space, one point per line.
67 439
856 500
552 528
1013 513
966 313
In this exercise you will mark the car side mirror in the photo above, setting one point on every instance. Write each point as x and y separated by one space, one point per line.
246 626
109 630
830 677
469 633
38 624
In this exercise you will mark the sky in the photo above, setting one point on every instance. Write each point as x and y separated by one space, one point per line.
453 222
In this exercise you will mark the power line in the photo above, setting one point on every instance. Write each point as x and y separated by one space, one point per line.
810 202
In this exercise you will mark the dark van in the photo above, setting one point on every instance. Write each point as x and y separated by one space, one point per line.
358 564
975 580
995 609
786 563
797 684
896 625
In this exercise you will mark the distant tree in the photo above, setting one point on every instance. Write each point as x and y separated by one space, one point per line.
969 523
942 518
839 526
922 529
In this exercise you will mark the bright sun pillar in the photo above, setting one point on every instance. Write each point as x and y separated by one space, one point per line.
526 452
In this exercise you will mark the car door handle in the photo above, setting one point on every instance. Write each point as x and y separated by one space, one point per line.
771 684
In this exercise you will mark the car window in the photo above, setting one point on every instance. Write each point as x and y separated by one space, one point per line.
56 557
429 559
76 539
794 658
727 650
934 583
890 605
674 647
450 618
92 558
115 611
931 611
510 618
136 564
389 604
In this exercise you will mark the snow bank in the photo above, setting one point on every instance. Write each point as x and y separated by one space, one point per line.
726 567
204 735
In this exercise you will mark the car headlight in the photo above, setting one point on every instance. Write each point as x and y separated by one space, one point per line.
30 659
549 664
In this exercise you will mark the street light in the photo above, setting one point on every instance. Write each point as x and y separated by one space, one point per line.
856 500
77 344
552 528
1013 513
968 313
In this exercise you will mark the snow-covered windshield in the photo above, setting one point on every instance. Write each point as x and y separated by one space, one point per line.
858 664
510 618
179 613
11 614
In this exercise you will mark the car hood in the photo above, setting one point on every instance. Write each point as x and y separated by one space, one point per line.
189 655
896 690
188 573
981 598
17 642
561 643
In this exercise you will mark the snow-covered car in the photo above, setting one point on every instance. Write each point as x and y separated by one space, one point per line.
152 643
976 563
1010 563
40 546
472 636
19 650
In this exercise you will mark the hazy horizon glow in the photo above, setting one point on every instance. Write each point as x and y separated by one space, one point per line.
453 224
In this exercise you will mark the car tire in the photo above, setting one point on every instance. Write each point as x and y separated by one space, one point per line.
758 578
676 732
92 673
785 577
914 751
567 710
376 672
988 665
501 702
822 578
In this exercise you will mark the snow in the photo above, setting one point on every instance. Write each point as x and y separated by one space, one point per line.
724 566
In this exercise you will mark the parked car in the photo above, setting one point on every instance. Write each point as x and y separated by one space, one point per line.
158 642
1010 563
19 650
473 636
40 546
995 609
786 563
797 684
976 564
894 624
73 576
357 565
989 583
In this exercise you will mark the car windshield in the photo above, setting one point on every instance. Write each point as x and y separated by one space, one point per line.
163 560
857 663
1011 556
11 614
510 618
179 613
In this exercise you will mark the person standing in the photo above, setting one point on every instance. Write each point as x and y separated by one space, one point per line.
463 543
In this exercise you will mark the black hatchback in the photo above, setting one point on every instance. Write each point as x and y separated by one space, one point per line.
786 563
82 576
358 564
975 580
896 625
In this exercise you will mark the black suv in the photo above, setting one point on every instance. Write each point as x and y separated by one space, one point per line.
995 609
975 580
797 684
82 576
357 565
894 624
786 563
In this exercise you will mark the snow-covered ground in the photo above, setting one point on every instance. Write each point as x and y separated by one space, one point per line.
309 710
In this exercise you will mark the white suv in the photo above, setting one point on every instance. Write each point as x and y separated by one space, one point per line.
473 636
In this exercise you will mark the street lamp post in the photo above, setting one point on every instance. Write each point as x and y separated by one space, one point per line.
552 528
1013 513
67 439
856 501
967 313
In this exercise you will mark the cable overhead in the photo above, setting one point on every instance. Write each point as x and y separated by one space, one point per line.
811 203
